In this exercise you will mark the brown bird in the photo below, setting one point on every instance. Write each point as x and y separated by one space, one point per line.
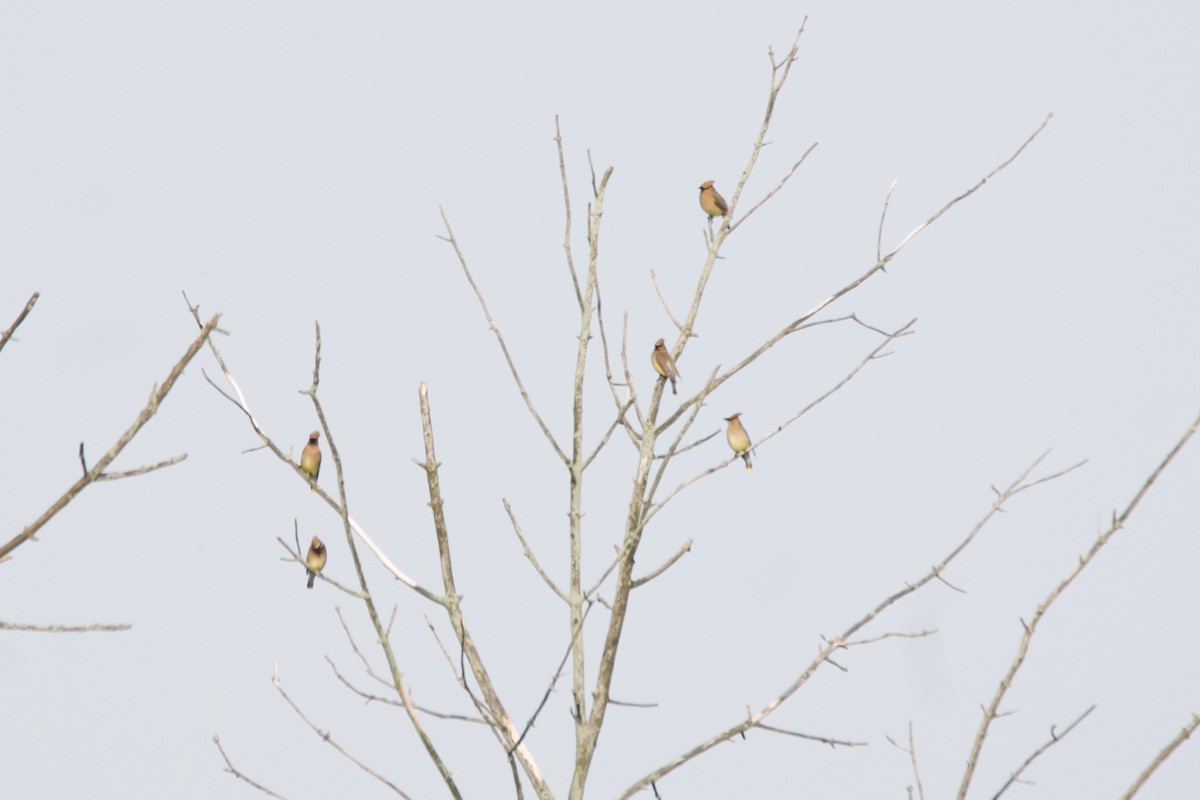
310 457
713 204
738 439
663 363
315 560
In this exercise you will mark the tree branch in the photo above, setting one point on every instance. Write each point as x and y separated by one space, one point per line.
1162 756
146 414
503 727
991 712
529 553
234 772
381 634
833 645
494 328
911 750
1055 738
17 626
883 261
4 337
242 405
327 737
133 473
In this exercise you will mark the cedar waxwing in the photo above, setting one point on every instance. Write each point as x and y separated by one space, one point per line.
713 204
663 363
315 560
739 440
310 457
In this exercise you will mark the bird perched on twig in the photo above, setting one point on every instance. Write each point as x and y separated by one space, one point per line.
310 457
711 201
738 439
664 365
315 560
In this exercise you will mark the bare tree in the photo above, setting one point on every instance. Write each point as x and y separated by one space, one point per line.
636 420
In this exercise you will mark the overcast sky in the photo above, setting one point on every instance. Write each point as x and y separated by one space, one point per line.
284 163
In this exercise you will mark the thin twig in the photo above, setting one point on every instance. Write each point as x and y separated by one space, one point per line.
811 737
887 200
662 298
685 548
361 656
495 329
562 171
630 704
630 385
460 677
883 261
776 188
365 695
889 635
549 689
133 473
619 421
529 553
1055 738
18 626
911 750
232 770
622 406
4 337
327 737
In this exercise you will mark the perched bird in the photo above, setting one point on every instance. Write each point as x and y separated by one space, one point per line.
738 439
310 457
713 204
315 560
663 363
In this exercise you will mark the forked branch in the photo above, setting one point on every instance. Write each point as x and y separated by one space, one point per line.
156 397
238 399
992 711
832 645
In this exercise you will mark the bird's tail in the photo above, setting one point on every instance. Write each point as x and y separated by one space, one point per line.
312 576
746 458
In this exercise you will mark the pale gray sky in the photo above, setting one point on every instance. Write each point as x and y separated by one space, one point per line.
284 163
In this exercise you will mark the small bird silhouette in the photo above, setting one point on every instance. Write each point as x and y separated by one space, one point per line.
315 560
738 439
713 204
310 457
664 365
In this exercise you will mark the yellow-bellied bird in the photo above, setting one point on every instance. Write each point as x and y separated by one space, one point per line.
310 457
739 440
713 204
663 363
315 560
